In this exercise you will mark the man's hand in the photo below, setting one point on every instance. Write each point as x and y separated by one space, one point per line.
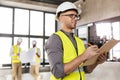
101 58
18 54
91 51
37 54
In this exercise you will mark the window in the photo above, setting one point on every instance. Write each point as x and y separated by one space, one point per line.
115 52
83 34
27 24
46 58
36 23
116 32
21 21
5 44
49 24
103 29
6 20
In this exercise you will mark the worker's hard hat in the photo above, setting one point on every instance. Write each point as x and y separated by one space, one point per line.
19 40
34 42
65 6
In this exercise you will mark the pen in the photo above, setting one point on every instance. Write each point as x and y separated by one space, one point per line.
89 44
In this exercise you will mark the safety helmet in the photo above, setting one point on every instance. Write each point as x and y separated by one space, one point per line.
66 6
34 42
19 40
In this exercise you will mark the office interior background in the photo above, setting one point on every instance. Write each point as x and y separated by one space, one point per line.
35 20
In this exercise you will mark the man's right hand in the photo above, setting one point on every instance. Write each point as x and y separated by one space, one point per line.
18 54
91 51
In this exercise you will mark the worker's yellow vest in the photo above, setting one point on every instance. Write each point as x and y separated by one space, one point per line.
16 50
69 53
37 59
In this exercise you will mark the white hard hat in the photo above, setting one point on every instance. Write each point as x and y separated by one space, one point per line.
67 6
34 42
19 40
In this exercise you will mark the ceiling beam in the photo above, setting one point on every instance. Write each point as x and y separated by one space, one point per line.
29 5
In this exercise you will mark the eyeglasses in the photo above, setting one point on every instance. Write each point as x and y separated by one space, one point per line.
73 16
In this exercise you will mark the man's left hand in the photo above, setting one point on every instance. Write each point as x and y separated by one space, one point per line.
101 58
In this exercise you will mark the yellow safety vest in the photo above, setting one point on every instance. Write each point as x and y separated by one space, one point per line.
69 54
37 59
16 50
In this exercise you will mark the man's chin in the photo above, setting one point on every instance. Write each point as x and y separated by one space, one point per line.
73 27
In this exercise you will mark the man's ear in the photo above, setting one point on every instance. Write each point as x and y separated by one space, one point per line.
61 20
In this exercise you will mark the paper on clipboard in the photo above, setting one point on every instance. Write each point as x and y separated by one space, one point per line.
104 49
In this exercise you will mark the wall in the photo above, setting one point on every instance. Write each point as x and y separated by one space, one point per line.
96 10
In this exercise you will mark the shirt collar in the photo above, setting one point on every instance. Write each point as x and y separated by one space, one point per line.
67 33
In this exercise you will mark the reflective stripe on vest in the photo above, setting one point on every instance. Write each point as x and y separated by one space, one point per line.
16 50
69 54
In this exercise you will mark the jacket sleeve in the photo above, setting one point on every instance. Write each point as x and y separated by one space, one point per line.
54 51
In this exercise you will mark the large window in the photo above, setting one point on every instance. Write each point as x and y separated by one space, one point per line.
29 25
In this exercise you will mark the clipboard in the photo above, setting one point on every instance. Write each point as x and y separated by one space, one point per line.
103 49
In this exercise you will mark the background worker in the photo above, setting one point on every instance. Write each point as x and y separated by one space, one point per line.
35 64
16 63
66 52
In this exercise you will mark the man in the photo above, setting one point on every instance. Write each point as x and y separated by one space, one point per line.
66 52
35 64
16 63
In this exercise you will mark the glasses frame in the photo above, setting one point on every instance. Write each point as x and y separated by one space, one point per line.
72 16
